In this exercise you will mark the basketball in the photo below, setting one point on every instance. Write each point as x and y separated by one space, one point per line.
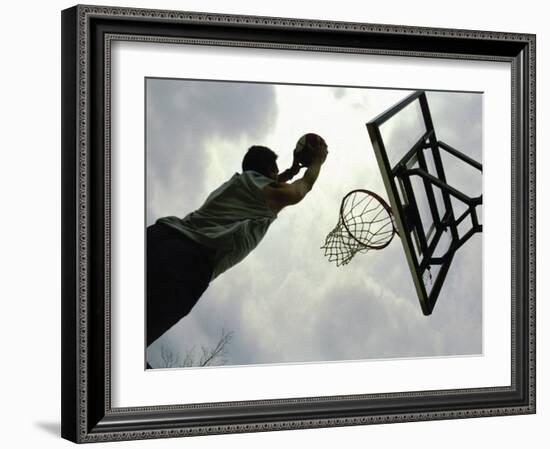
306 148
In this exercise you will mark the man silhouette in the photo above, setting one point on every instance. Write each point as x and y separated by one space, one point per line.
185 254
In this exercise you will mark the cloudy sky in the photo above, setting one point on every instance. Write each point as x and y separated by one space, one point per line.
285 303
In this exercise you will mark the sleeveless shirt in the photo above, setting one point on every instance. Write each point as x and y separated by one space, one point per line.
233 219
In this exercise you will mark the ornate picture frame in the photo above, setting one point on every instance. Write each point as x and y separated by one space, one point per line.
88 414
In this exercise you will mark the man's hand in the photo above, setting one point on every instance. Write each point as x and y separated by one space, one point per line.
281 195
289 173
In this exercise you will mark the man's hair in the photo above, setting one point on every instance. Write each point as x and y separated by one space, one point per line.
260 159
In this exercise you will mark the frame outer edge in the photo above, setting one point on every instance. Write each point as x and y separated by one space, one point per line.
69 290
296 23
532 224
80 187
83 168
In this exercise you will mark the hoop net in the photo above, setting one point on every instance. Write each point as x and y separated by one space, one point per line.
365 223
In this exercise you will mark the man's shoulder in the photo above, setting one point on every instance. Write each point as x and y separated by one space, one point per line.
278 195
276 185
256 179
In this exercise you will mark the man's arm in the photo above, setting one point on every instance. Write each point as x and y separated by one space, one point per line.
289 173
281 195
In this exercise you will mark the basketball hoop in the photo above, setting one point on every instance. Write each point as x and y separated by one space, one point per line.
365 223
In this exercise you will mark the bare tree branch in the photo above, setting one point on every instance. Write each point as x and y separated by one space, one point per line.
209 356
218 352
168 359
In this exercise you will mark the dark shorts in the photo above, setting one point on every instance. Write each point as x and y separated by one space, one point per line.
178 273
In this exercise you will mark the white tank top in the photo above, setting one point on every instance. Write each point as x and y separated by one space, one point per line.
233 219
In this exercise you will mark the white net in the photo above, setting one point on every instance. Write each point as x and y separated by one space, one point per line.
365 223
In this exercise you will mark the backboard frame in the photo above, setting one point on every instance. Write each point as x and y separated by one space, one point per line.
407 215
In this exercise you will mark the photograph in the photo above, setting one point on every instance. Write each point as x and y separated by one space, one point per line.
274 234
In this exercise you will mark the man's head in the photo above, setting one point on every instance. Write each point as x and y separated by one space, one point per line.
261 159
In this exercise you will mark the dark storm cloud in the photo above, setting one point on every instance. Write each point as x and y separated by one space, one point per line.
182 116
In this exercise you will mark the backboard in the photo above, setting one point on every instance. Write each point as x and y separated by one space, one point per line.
423 203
